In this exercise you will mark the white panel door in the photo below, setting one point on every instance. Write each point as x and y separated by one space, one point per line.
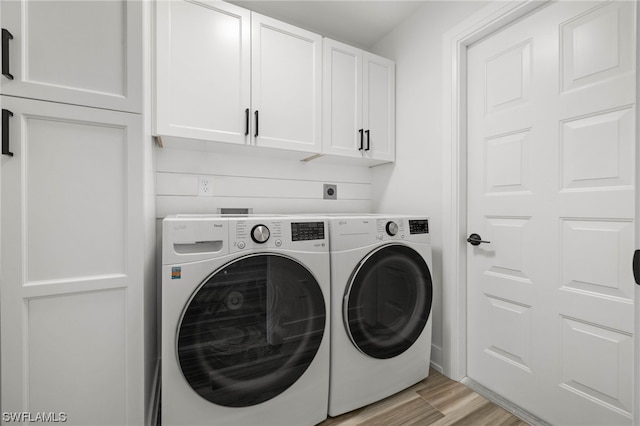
343 133
71 264
203 66
78 52
286 85
551 172
378 107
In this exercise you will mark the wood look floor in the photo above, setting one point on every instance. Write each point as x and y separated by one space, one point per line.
437 400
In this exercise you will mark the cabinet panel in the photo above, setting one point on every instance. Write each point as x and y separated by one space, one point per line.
84 53
71 243
80 167
342 95
379 107
286 85
69 336
203 71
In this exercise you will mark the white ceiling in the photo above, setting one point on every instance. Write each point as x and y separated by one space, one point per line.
357 22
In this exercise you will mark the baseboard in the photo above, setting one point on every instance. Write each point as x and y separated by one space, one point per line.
437 367
504 403
154 401
436 358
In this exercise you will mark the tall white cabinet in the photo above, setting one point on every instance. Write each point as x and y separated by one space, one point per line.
71 212
225 74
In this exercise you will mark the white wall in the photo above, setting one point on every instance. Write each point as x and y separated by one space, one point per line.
414 183
264 184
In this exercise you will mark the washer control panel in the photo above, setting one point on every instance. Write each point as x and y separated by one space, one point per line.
274 233
305 231
260 234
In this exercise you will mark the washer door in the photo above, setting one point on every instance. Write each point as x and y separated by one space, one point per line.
251 330
388 301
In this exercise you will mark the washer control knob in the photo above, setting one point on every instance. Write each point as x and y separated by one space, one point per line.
260 234
392 228
278 243
241 245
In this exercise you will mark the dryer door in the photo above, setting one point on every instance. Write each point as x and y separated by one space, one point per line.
388 301
251 330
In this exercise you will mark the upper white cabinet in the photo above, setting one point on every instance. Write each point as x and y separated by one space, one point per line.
78 52
203 71
286 85
379 107
343 133
225 74
359 103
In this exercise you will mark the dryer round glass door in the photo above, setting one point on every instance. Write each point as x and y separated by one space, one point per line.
251 330
388 301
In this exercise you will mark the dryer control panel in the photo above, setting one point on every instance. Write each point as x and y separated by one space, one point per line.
403 228
418 226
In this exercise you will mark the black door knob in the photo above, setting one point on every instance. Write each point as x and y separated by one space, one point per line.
476 240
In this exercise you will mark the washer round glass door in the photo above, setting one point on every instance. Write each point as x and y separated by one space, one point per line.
251 330
388 301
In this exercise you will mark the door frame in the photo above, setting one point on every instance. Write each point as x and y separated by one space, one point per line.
454 274
636 348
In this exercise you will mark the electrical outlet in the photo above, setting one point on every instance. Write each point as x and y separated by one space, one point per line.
205 186
330 192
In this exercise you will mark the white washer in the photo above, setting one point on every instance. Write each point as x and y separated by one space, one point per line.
245 320
381 297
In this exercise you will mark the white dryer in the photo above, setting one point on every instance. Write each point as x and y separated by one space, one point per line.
245 320
381 297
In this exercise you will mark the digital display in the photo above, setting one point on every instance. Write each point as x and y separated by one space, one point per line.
304 231
420 226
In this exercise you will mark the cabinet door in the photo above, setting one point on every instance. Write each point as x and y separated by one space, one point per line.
342 130
78 52
286 85
71 264
379 107
203 71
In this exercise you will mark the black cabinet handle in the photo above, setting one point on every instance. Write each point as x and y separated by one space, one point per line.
6 36
5 132
246 120
368 141
361 139
256 135
636 266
